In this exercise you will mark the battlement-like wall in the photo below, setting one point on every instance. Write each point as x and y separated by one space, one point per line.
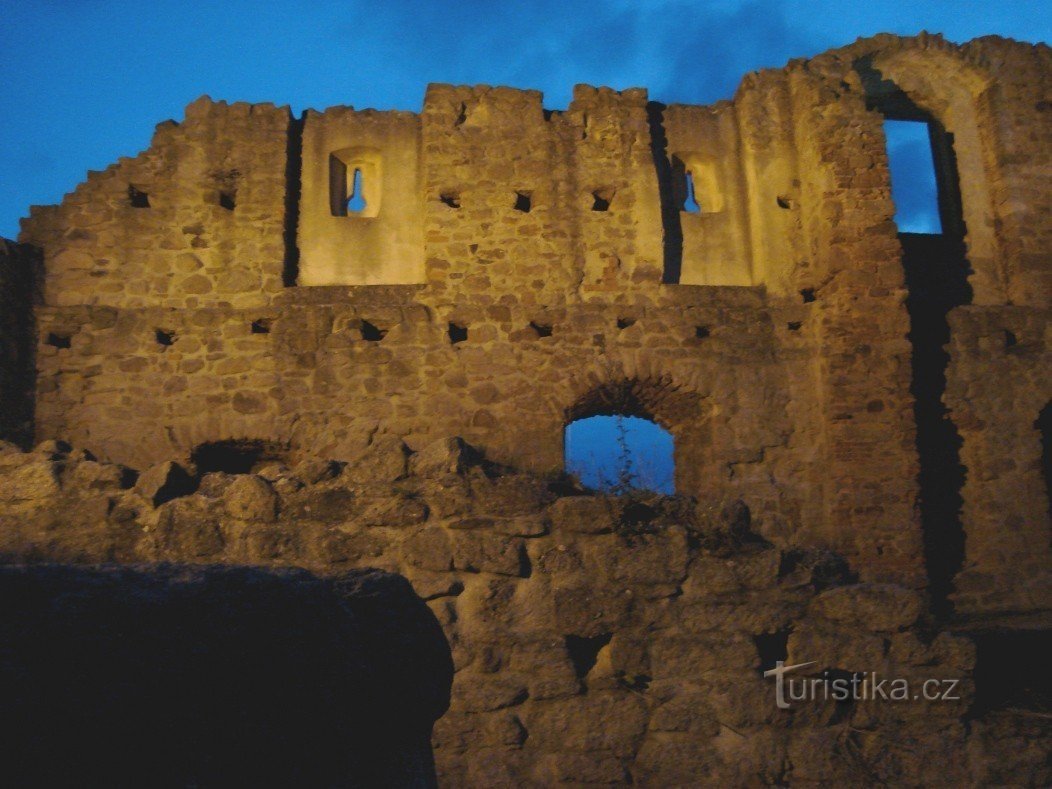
491 269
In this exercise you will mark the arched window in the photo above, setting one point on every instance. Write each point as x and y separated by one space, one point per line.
619 454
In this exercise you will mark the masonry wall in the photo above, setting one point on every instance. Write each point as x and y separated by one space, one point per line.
527 267
594 639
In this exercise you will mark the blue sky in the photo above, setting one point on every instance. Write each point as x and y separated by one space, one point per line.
85 81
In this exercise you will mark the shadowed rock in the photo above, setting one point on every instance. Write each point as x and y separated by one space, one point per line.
175 675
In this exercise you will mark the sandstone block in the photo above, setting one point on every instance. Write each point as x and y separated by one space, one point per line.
445 456
584 514
28 478
164 482
876 607
249 497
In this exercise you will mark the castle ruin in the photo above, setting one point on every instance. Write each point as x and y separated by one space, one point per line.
361 286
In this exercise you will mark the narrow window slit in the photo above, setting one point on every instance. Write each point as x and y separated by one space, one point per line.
164 337
58 340
355 197
690 202
523 202
261 326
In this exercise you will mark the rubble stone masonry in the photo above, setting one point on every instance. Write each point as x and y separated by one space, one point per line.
501 270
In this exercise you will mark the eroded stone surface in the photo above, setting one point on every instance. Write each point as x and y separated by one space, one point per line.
634 652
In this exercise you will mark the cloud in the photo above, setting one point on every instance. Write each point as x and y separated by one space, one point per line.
84 81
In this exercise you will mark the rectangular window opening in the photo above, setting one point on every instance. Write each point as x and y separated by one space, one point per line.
914 187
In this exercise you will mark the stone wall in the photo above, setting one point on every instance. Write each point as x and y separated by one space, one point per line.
197 221
594 639
526 267
1001 379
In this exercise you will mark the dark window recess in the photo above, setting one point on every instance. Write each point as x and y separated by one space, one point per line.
1010 339
523 202
624 323
137 198
584 652
58 340
690 202
1043 425
808 295
457 333
1011 672
772 647
371 332
164 337
261 326
784 202
462 114
227 200
794 325
542 329
452 199
701 332
601 199
237 456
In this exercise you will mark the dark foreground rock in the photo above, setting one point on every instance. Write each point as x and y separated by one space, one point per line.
203 676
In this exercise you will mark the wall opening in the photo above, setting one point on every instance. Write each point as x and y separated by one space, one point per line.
58 340
457 333
354 182
601 199
356 198
620 454
1011 672
914 188
371 332
1044 429
236 456
690 201
542 329
137 198
671 226
927 194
